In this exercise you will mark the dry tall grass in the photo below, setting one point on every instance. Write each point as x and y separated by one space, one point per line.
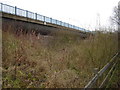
61 60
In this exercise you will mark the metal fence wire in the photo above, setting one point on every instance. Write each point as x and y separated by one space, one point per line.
24 13
110 67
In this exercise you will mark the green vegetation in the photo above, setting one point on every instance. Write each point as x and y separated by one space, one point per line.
61 60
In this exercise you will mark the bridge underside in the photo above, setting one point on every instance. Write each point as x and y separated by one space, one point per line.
27 25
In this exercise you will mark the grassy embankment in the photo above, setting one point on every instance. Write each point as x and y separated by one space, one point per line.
60 60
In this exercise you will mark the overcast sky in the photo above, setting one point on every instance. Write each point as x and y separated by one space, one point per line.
82 13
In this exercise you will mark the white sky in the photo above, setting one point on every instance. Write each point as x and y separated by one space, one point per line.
82 13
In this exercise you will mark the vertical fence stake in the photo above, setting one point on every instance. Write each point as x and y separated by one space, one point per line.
1 7
44 18
36 16
15 10
56 21
61 23
26 13
50 20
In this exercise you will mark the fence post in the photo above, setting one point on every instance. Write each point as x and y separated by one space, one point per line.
50 20
15 10
68 25
36 16
1 6
61 23
26 13
44 18
56 21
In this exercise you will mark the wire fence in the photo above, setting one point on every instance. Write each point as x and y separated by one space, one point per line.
102 77
24 13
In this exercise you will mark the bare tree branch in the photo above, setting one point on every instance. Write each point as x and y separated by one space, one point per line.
116 14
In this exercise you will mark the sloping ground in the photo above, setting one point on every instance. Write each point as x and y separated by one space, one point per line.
61 60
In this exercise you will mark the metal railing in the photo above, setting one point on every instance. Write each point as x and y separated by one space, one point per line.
93 83
24 13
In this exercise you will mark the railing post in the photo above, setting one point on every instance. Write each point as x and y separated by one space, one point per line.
50 20
36 16
44 18
1 7
60 23
68 25
15 10
26 13
56 21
